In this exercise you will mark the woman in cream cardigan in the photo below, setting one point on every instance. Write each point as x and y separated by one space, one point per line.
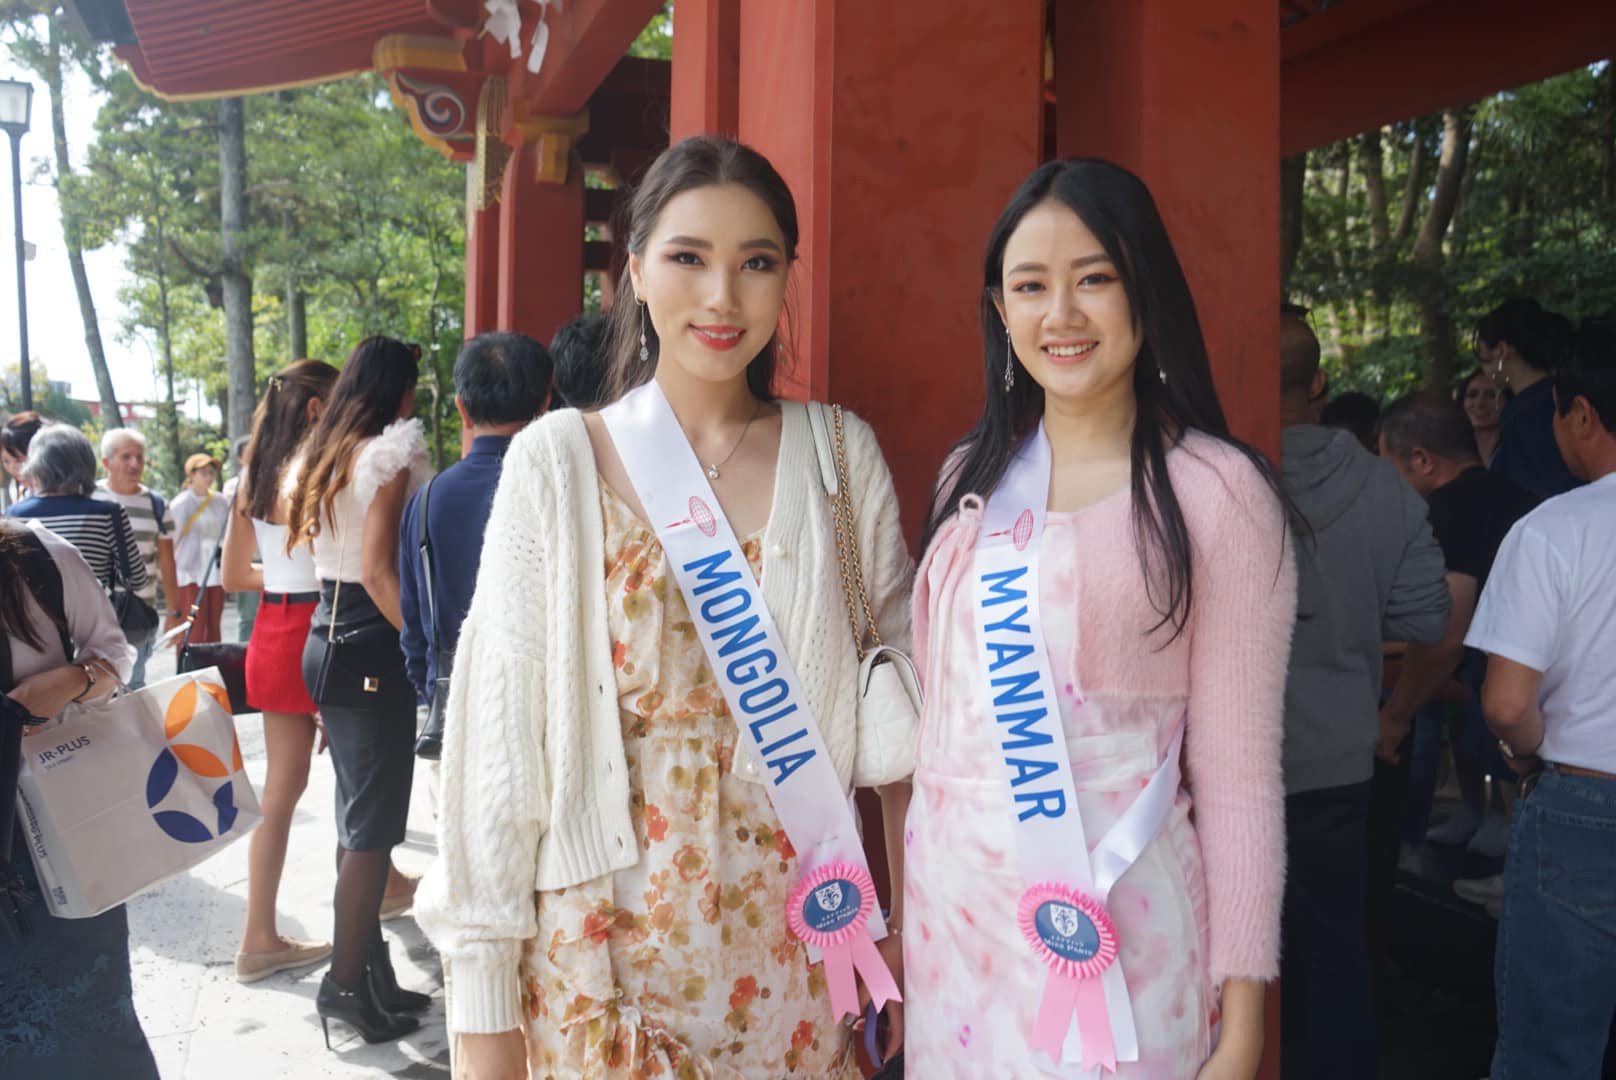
611 892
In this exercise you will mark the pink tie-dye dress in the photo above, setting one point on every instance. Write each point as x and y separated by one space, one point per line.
1184 922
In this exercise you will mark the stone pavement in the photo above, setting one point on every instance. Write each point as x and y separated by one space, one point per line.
183 934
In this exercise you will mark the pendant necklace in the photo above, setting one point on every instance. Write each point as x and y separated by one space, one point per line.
712 470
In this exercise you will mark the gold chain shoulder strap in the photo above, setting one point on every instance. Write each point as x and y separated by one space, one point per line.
847 549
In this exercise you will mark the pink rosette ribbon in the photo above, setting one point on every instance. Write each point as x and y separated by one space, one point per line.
830 910
1072 933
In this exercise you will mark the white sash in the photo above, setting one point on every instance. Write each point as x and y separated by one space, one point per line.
1019 698
749 662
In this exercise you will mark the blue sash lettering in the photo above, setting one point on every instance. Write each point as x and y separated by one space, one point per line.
1018 697
998 587
705 567
726 620
750 666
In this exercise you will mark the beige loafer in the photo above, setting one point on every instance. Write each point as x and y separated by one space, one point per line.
395 906
250 967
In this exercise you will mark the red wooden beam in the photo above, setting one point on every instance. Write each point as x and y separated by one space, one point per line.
1366 63
587 41
208 48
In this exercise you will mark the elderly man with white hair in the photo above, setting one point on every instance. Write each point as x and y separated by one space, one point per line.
123 454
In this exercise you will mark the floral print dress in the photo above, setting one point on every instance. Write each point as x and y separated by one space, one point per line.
681 965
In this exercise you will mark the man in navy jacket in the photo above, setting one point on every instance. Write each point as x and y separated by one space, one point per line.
502 383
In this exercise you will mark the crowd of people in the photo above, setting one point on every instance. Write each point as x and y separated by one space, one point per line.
626 613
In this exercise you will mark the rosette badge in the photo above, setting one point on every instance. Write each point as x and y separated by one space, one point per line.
1072 934
829 911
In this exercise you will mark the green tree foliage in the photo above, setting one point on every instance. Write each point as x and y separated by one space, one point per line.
1535 216
356 228
656 40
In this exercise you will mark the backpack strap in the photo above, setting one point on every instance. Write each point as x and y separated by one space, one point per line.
426 564
158 508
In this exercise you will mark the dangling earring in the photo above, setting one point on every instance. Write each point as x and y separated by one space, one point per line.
1009 361
1162 373
645 351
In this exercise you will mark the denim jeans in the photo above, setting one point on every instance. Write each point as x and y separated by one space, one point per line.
1555 966
142 654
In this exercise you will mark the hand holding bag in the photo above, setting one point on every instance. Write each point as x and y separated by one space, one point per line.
229 657
121 793
888 689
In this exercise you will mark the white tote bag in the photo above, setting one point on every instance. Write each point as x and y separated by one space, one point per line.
120 794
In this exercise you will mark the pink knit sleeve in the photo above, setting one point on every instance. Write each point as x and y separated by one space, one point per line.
1244 607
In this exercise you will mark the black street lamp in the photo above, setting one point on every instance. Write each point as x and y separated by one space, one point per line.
16 100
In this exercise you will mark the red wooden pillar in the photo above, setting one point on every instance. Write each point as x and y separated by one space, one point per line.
482 264
1186 94
541 248
706 68
902 127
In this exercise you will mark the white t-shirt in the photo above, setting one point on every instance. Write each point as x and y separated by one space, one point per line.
1550 604
193 547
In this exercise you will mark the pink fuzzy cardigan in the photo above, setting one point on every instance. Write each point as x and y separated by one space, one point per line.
1229 665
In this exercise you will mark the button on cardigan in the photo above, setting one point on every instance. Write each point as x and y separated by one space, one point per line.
535 792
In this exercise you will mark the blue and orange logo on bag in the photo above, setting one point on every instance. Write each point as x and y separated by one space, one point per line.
202 761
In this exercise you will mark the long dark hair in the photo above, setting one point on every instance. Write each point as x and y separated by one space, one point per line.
14 591
1118 209
696 162
279 426
365 399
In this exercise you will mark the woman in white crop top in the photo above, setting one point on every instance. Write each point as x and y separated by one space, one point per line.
275 651
358 468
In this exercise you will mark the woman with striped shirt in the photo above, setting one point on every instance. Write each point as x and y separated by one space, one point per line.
61 468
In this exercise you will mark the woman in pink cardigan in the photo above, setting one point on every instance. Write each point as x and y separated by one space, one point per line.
1132 914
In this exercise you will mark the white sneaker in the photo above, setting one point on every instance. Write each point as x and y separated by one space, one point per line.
1457 829
1492 839
1487 890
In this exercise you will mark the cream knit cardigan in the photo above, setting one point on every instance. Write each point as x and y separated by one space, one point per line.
535 792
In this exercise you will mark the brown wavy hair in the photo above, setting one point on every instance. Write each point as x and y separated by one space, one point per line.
279 428
365 399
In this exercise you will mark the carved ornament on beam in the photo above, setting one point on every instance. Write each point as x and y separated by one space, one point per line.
429 81
493 156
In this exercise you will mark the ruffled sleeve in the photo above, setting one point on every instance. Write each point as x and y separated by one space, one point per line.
401 445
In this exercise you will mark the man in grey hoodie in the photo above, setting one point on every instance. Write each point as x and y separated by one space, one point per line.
1370 572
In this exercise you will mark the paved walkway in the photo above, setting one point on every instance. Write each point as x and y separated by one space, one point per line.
202 1023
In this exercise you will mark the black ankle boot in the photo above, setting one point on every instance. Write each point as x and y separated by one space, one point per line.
393 998
360 1010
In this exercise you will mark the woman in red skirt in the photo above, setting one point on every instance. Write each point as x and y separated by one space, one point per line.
275 652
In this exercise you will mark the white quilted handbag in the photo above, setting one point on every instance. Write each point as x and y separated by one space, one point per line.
888 689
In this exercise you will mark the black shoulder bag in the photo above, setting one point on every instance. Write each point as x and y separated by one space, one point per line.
45 582
429 744
230 657
356 660
137 619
